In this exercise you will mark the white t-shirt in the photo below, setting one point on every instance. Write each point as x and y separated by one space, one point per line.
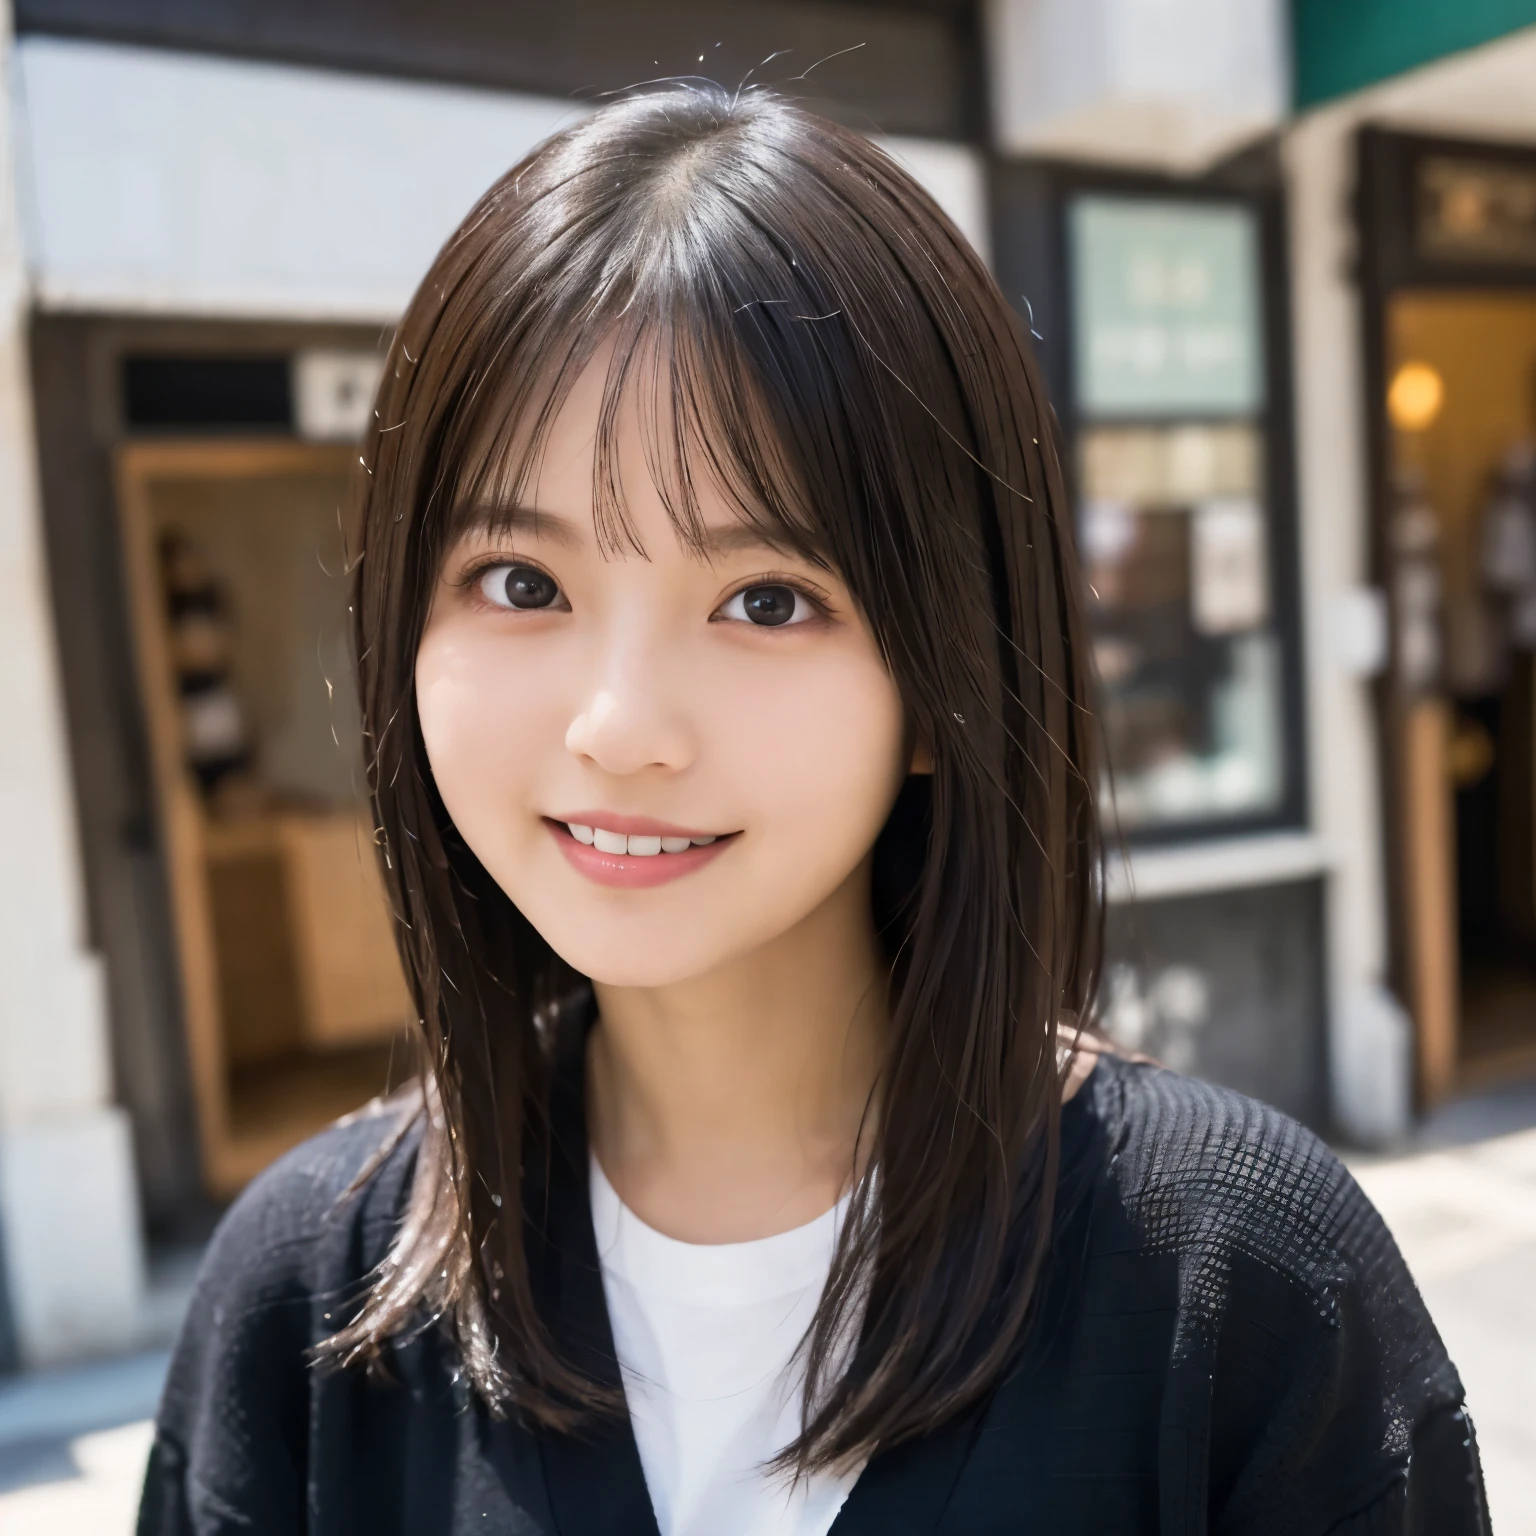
706 1336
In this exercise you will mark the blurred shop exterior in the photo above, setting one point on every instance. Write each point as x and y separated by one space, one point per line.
214 213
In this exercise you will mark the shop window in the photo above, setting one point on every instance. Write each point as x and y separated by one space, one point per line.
1176 521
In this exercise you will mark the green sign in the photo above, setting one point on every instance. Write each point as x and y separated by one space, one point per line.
1338 46
1166 310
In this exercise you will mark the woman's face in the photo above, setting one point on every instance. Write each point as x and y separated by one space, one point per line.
665 761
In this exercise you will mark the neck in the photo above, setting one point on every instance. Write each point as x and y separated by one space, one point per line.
729 1107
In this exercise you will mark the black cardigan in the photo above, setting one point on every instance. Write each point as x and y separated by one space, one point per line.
1227 1341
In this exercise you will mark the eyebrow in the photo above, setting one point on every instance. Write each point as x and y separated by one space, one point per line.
718 541
491 518
735 538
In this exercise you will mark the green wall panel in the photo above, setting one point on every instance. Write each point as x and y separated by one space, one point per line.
1342 45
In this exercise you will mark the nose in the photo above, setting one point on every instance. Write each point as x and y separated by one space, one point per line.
630 721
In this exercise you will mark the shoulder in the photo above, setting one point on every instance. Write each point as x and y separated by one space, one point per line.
1204 1170
321 1216
1324 1374
232 1430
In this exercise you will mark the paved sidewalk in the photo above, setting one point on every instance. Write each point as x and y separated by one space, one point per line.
73 1441
87 1486
73 1444
1461 1200
1462 1205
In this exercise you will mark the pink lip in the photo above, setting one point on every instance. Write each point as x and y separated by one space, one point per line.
633 872
640 826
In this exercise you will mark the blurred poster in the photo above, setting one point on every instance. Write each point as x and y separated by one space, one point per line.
1166 309
1229 580
1172 464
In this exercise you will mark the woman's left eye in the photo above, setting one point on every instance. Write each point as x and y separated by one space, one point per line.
518 586
769 606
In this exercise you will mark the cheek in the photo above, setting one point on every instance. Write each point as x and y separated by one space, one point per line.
818 751
477 717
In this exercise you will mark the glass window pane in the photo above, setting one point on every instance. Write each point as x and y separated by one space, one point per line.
1174 523
1175 547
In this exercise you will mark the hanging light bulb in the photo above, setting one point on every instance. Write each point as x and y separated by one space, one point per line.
1414 397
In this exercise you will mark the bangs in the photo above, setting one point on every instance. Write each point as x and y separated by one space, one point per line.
716 428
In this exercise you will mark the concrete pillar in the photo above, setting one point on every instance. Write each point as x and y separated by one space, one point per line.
69 1223
1369 1034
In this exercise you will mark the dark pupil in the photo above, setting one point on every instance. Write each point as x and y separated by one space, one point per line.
769 605
529 588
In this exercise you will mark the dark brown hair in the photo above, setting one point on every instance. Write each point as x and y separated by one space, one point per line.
827 348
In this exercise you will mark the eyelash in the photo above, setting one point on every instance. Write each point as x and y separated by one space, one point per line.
796 584
470 579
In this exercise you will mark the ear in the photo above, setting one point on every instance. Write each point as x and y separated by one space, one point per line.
922 758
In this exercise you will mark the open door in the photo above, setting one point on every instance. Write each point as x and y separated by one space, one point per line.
292 996
1449 267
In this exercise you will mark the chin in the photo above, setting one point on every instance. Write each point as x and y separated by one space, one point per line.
674 942
631 961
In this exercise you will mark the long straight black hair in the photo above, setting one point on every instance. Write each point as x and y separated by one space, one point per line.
806 330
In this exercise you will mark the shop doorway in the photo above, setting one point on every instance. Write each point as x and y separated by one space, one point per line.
293 1002
195 478
1449 236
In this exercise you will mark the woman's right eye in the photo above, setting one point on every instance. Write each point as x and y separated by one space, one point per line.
519 586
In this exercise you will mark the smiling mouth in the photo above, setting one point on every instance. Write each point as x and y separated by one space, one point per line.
637 844
637 853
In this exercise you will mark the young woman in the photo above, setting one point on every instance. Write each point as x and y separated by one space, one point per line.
729 733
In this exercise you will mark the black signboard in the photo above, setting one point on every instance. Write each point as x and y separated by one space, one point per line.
1445 213
1475 209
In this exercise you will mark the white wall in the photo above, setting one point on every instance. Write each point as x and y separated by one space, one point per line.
67 1194
194 185
183 184
1172 84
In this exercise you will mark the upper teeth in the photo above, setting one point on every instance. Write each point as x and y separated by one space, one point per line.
616 842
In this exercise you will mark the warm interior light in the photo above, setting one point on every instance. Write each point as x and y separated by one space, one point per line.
1415 396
